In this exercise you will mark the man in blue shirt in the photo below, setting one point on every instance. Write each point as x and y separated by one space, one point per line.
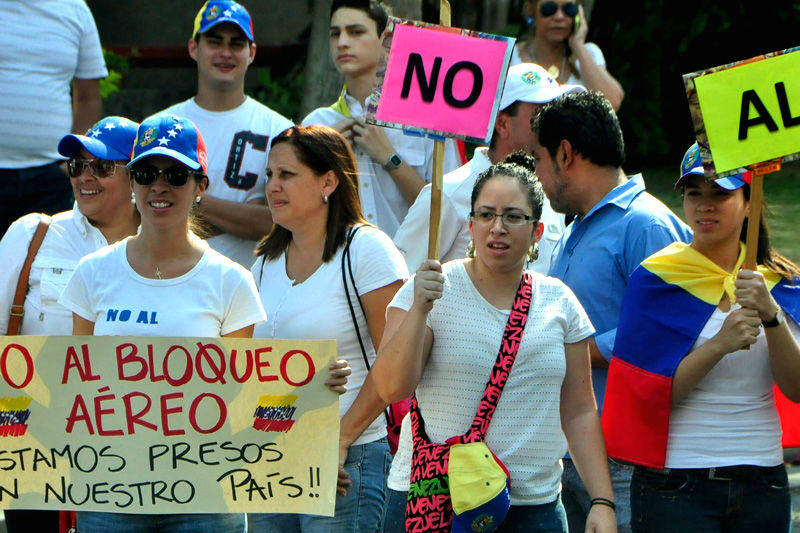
579 152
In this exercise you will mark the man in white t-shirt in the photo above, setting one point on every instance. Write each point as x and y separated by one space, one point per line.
392 167
527 87
237 129
45 46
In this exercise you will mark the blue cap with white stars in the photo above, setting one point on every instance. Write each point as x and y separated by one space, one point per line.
110 139
216 12
172 136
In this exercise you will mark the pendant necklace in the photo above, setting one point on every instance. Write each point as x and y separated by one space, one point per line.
158 272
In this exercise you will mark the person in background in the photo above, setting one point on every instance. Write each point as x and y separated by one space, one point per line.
556 39
237 130
312 192
443 329
579 152
700 344
392 167
49 47
527 87
102 214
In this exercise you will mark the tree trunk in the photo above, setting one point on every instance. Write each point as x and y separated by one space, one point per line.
495 15
323 83
407 9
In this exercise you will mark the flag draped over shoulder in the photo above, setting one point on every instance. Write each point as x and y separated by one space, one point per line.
668 300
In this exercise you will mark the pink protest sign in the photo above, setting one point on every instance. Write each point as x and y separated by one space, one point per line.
441 81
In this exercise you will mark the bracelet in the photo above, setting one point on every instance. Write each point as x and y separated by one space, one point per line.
604 501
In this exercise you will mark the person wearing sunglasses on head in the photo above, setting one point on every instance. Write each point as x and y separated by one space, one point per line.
102 214
556 39
184 287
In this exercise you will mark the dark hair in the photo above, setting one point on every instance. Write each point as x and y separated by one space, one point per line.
322 149
511 110
766 255
585 119
519 166
372 8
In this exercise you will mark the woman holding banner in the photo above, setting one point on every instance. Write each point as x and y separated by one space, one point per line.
324 273
556 40
690 389
441 342
102 214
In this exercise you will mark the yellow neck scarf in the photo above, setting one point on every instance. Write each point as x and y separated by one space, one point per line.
340 105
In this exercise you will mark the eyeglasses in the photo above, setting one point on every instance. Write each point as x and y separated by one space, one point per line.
548 9
175 176
99 168
508 219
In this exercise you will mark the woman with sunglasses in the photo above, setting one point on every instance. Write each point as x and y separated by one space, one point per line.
319 240
443 330
556 39
170 273
700 345
102 214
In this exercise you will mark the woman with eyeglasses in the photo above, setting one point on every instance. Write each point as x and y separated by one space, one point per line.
173 276
702 342
102 214
555 38
443 330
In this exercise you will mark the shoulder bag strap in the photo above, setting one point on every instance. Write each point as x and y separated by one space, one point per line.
18 306
346 260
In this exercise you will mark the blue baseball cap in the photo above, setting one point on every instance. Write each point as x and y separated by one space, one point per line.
692 165
110 139
216 12
171 136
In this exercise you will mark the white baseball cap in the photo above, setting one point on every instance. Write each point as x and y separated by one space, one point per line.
528 82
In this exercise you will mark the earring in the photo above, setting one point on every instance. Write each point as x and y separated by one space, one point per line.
533 253
324 198
197 199
471 249
529 20
133 198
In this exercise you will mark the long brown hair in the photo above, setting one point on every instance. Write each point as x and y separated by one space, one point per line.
766 255
322 149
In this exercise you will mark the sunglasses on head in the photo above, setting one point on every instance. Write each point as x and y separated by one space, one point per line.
175 176
99 168
548 9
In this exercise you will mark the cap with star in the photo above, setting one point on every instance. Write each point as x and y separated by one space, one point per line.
216 12
172 136
692 165
110 139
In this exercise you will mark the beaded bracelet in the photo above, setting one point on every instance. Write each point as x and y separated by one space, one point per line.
604 501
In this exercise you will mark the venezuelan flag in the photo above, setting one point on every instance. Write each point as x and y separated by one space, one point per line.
668 300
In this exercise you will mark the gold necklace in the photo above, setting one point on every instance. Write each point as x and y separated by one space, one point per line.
158 273
555 71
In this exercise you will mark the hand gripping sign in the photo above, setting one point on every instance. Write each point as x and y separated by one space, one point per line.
440 82
746 116
167 425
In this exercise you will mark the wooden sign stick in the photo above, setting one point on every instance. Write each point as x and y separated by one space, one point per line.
756 200
438 166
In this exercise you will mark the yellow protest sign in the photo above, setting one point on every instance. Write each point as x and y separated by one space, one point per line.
167 425
749 111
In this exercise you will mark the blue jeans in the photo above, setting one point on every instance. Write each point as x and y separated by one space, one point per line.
576 498
44 189
161 523
360 511
394 514
679 501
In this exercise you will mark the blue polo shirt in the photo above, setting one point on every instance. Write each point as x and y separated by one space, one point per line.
597 253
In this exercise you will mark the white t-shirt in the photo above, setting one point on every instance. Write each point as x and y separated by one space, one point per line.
412 236
594 51
317 308
44 44
238 143
525 431
729 418
69 237
216 297
381 200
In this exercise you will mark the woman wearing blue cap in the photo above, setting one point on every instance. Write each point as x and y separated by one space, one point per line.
700 343
102 214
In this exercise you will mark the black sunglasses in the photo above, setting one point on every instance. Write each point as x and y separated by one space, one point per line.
548 9
175 176
100 168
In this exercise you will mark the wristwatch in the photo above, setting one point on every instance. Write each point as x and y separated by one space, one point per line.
393 163
779 319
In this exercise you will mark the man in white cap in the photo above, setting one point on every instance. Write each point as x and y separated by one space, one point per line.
528 87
